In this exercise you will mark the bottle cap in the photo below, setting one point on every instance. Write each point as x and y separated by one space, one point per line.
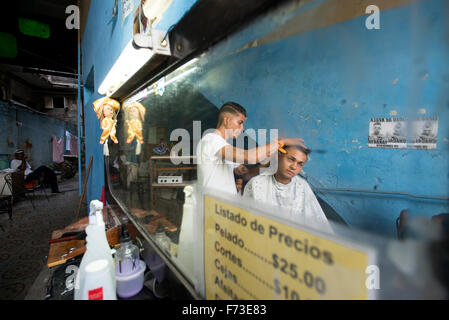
125 236
95 208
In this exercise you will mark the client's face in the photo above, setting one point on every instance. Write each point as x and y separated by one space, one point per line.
291 163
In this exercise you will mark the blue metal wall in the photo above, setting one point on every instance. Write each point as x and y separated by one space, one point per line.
41 152
103 41
324 83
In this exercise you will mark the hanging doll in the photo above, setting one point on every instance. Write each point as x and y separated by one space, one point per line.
106 108
135 115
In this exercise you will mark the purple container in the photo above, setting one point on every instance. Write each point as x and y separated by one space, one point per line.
130 279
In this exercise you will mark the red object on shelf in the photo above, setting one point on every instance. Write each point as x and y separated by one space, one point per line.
103 196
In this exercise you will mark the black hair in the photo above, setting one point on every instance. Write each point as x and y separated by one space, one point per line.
230 107
304 150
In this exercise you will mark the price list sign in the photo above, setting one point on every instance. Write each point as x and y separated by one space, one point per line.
251 257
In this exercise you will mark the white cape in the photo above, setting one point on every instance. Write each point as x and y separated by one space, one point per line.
296 200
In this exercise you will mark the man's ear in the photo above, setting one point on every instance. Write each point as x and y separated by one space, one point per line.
226 119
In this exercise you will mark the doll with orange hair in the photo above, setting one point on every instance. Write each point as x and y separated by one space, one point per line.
135 114
106 108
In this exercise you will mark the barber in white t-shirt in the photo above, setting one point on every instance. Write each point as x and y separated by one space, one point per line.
218 160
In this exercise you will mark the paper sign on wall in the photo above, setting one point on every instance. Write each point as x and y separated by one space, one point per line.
388 133
424 133
401 133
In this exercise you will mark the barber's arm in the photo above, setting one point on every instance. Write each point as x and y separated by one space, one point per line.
256 155
251 156
247 173
23 165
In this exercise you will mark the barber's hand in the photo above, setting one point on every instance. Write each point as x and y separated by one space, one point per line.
293 142
241 170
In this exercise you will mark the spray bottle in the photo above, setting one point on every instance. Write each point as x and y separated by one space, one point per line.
97 248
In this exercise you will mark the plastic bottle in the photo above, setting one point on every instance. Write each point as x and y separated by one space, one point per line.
129 269
185 247
97 248
127 256
97 283
174 240
162 238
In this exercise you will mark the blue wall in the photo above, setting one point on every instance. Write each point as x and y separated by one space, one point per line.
103 41
324 84
39 136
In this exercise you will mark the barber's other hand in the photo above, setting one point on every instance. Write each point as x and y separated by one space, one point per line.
241 170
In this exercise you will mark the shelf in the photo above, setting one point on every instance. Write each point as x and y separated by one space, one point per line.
181 167
175 168
171 157
171 185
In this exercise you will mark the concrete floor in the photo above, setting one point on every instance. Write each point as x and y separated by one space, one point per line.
24 239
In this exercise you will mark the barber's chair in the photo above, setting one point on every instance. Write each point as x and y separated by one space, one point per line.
6 198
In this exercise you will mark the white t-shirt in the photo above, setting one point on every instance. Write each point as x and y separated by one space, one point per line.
15 164
297 200
213 171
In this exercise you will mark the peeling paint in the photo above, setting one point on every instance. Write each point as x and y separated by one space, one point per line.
393 113
356 105
425 76
395 81
422 111
356 141
446 140
318 121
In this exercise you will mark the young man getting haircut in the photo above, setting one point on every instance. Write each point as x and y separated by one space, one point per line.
288 191
218 160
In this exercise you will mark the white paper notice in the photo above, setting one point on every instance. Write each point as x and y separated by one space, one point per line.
401 133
